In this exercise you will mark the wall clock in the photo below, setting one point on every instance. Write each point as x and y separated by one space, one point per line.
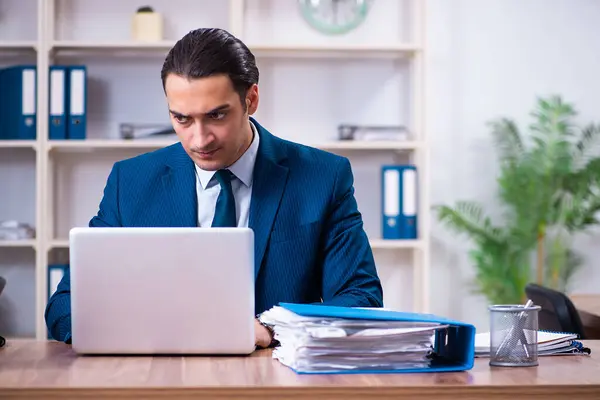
334 17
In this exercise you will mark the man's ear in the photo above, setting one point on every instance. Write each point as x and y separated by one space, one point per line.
252 99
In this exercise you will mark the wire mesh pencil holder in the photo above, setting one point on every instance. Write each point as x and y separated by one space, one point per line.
513 335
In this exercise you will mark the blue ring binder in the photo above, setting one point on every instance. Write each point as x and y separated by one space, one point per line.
453 350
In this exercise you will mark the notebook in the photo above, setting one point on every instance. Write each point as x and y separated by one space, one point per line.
549 343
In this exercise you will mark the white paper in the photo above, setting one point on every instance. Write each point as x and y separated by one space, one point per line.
548 343
323 344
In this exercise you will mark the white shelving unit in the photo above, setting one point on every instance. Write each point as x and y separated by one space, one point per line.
91 144
353 77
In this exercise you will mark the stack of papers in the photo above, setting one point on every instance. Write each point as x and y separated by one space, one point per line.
549 343
322 344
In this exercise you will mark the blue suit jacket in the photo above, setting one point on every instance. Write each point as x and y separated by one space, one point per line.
310 245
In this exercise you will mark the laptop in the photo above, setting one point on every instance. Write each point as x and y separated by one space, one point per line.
162 290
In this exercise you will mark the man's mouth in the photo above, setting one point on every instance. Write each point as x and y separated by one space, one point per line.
206 153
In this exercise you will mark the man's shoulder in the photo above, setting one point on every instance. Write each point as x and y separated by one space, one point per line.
156 159
306 155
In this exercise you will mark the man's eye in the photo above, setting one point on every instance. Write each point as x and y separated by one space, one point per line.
181 119
217 115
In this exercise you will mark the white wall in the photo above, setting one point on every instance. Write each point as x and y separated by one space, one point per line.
486 58
491 58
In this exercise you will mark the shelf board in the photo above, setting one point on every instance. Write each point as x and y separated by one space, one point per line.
260 50
31 243
111 45
18 45
376 244
58 244
11 144
92 144
334 50
370 145
380 244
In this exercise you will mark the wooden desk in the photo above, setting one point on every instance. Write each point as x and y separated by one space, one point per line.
30 369
588 306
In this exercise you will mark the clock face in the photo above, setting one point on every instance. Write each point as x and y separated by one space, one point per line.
334 16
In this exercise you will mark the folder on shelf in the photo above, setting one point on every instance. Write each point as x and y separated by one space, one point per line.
77 102
55 275
399 201
18 108
57 103
3 135
320 339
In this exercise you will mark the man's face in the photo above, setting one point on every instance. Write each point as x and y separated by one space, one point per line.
209 118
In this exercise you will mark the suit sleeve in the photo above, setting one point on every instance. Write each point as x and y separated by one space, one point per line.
108 212
350 278
58 309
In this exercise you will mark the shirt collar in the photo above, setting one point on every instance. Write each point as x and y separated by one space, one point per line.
242 169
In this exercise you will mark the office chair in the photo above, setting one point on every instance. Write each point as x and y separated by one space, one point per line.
557 312
2 284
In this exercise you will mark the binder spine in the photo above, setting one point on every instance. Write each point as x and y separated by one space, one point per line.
18 114
28 123
77 99
399 202
4 134
57 123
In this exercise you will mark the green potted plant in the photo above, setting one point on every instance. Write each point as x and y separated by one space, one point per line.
549 189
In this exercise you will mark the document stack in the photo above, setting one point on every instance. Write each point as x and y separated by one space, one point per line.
327 339
549 344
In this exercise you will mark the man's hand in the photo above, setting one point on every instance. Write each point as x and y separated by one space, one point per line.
262 336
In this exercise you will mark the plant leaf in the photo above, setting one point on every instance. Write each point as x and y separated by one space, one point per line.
549 186
467 218
585 147
507 139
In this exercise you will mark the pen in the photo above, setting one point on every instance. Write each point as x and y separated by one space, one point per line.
511 331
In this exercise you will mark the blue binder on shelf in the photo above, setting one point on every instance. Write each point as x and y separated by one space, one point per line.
55 275
77 102
18 108
454 347
399 202
57 103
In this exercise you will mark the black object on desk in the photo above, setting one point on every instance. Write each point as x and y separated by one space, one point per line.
558 312
2 284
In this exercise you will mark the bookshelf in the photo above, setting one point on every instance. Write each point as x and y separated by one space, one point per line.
367 76
97 144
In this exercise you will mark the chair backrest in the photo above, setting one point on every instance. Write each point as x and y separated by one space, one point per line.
557 311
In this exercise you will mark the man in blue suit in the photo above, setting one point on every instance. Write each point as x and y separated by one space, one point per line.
228 170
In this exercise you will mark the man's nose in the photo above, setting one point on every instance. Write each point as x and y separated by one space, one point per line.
202 136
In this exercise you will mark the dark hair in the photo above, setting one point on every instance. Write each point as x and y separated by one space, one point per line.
211 51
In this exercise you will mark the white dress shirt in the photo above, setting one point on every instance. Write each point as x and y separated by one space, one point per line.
208 188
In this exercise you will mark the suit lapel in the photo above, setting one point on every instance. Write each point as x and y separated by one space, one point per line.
179 183
270 177
269 181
